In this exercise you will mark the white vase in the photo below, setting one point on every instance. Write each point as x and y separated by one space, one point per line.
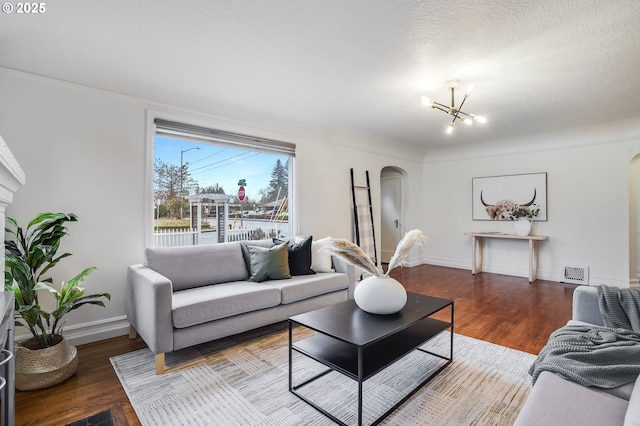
522 226
380 295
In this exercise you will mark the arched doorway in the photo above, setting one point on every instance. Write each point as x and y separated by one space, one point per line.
391 211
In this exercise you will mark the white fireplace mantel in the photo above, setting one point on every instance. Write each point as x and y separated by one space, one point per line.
12 176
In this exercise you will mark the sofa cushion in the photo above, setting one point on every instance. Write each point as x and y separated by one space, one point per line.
299 255
204 304
632 417
268 263
556 401
320 258
306 286
195 266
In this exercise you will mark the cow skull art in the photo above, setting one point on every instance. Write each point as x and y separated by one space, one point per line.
503 209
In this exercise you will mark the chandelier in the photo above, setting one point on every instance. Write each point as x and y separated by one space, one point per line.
452 110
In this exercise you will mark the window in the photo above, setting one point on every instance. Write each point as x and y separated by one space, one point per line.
212 186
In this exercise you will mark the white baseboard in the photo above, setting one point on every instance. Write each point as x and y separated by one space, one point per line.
449 263
523 271
89 332
493 269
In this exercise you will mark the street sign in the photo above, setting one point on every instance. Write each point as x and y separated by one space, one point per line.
241 193
242 182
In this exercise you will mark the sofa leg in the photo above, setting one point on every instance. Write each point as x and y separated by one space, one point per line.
132 332
160 363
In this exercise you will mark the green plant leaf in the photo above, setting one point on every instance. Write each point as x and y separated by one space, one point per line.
29 255
43 286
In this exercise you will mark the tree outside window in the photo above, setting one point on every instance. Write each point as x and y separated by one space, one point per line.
185 170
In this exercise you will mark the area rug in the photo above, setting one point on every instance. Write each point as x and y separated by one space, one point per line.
244 381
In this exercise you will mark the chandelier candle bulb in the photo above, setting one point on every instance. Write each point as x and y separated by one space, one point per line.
452 110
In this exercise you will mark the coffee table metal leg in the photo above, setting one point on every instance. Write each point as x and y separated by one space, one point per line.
360 380
452 332
290 358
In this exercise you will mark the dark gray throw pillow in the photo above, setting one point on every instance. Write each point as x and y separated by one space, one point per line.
268 263
299 256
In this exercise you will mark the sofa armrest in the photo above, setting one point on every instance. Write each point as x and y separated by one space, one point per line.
585 305
149 296
556 401
341 266
632 417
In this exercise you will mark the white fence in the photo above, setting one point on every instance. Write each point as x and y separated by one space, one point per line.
188 237
175 237
251 234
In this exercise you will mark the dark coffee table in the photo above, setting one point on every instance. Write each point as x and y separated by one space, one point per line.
359 345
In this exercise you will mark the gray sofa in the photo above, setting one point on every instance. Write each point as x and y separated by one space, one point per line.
556 401
184 296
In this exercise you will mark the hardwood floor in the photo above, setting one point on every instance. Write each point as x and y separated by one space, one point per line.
500 309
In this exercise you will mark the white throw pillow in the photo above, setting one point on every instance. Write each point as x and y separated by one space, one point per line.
320 259
632 418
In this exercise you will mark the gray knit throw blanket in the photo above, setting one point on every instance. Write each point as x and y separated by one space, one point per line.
604 357
619 307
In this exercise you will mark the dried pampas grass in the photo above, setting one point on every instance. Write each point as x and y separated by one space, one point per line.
411 239
354 255
350 253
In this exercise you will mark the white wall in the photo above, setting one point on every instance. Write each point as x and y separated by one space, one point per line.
84 151
588 203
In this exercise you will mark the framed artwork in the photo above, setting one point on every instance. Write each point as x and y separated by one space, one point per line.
495 197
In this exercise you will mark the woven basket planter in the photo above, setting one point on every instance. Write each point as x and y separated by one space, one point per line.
41 368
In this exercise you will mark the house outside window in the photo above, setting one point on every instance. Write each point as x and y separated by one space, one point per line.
211 186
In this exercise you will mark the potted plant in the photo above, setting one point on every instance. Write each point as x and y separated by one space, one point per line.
523 215
46 358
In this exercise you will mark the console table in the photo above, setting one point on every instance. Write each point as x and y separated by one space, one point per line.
477 240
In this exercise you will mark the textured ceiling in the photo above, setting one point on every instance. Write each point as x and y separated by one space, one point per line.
349 67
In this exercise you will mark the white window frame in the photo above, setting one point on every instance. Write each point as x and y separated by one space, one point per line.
211 123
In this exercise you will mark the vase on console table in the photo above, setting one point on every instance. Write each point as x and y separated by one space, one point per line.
380 295
522 226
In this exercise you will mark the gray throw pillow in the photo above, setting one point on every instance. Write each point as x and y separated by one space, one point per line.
268 263
245 251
